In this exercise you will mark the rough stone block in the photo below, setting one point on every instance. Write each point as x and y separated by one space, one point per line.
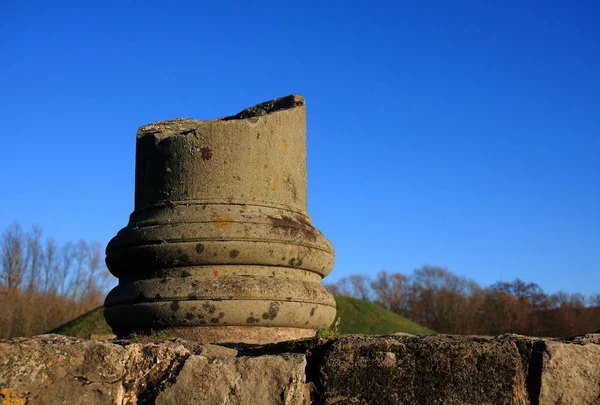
53 369
441 369
261 380
423 370
570 372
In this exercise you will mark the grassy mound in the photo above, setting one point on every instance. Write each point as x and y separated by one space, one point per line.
357 316
365 318
83 326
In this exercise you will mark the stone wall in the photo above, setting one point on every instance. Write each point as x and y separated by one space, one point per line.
354 369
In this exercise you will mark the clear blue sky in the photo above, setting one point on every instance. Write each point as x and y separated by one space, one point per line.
463 134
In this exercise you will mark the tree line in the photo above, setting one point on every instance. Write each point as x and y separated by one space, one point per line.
447 303
44 284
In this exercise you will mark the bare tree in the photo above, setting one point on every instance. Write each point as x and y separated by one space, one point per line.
360 286
81 256
43 285
357 285
67 257
13 258
390 291
50 265
34 255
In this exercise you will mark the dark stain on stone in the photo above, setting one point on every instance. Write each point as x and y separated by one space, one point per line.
189 316
292 228
185 258
214 320
157 297
185 274
200 316
192 297
284 221
206 153
202 322
268 107
302 219
312 311
199 248
209 308
214 254
299 262
252 319
291 261
234 253
289 298
221 315
292 185
273 311
174 306
258 135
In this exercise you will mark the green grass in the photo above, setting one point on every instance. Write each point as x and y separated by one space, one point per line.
357 316
83 326
365 318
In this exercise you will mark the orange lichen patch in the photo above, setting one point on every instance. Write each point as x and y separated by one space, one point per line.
46 379
266 166
222 221
12 398
285 145
275 184
216 273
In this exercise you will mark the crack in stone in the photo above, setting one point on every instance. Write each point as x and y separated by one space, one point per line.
148 391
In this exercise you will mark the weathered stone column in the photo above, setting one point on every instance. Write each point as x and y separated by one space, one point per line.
220 246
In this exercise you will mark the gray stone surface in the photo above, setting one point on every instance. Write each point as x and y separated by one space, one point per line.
53 369
220 241
570 373
265 380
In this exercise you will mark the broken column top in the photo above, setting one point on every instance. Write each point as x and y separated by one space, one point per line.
184 125
256 156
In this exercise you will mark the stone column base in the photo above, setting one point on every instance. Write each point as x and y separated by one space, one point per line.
232 334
